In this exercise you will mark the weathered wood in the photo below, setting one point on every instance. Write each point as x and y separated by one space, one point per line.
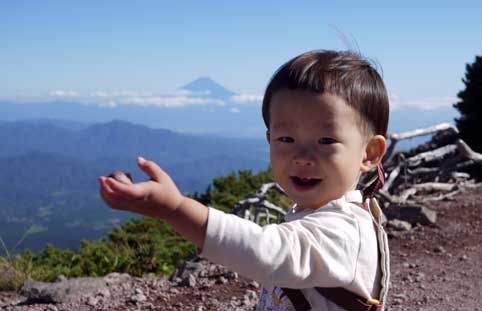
442 196
266 187
270 206
423 131
434 186
395 138
257 208
422 170
407 193
467 152
473 185
249 201
432 155
391 178
465 164
392 199
459 176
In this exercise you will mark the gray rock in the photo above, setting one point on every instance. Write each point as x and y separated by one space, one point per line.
138 297
60 278
176 281
189 281
221 280
103 292
192 266
399 225
440 250
66 290
414 214
250 298
117 278
92 301
230 275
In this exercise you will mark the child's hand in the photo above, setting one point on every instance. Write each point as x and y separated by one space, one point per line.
157 198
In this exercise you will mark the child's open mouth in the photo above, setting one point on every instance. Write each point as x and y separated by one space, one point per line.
305 183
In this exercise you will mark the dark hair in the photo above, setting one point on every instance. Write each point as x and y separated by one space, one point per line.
344 74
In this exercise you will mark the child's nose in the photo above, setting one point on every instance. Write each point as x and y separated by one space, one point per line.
304 158
304 162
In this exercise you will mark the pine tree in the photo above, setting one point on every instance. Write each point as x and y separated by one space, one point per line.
470 106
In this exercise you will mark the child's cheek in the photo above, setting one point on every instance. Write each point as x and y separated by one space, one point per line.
329 152
280 150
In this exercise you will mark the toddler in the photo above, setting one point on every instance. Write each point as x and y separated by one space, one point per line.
326 114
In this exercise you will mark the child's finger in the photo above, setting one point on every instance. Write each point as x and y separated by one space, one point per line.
106 188
121 189
103 184
115 203
151 169
106 192
128 192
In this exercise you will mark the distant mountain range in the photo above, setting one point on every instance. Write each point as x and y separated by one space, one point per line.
48 179
202 106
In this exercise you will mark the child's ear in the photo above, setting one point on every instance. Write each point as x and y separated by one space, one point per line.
268 136
374 152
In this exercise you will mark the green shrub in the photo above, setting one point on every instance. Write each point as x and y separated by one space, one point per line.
139 246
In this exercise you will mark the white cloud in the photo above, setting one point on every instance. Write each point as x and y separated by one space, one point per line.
109 104
177 98
59 93
178 101
99 94
246 98
180 92
189 92
234 110
104 94
422 103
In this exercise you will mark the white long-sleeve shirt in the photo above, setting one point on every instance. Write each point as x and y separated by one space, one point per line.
332 246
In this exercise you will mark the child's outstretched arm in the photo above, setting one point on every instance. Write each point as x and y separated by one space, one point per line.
159 198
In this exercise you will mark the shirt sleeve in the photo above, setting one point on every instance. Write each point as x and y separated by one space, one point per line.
320 249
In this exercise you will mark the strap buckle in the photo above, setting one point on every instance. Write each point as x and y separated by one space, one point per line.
374 302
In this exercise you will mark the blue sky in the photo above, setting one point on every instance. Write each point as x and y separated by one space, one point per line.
74 48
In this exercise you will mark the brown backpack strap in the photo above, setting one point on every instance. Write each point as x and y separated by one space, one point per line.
348 300
338 295
297 299
376 185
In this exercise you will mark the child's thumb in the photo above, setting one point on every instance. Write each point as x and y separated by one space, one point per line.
151 169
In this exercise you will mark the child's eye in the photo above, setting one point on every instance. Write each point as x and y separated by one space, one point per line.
286 139
327 141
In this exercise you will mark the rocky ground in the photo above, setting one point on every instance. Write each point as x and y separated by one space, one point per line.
436 267
439 267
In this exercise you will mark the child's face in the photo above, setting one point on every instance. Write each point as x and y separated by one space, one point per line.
316 146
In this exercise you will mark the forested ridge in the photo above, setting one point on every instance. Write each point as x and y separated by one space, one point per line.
48 180
137 247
